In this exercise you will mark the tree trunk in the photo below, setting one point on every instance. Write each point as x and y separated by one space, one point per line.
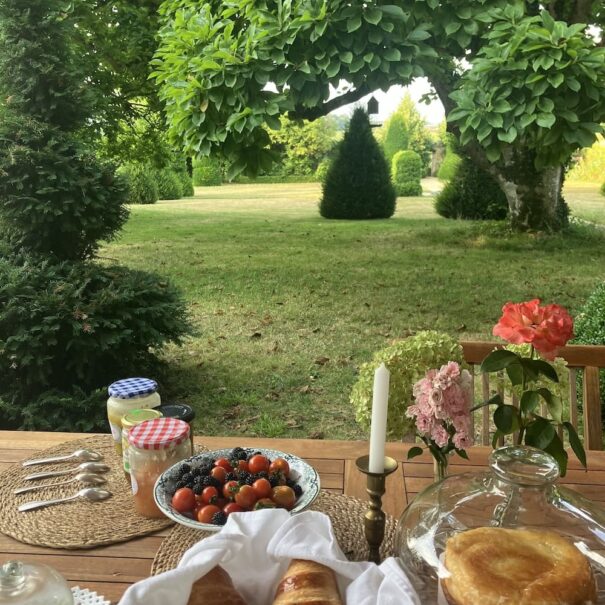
534 196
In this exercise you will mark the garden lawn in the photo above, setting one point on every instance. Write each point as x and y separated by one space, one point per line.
287 305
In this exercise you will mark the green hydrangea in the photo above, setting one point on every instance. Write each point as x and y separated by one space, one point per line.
408 361
500 382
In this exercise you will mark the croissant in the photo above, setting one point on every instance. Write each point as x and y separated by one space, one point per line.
307 582
215 588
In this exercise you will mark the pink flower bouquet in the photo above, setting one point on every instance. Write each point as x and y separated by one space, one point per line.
442 412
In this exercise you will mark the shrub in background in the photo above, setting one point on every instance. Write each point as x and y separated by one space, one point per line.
473 194
590 167
78 323
186 183
358 183
169 184
142 186
322 170
451 161
407 171
590 329
603 188
207 172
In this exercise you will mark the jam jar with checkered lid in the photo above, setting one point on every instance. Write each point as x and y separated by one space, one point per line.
125 396
153 447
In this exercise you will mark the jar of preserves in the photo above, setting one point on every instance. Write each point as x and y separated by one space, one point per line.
130 420
32 584
125 396
182 411
153 447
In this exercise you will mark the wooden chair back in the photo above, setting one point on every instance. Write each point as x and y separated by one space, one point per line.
583 361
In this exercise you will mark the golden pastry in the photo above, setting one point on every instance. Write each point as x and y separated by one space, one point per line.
215 588
495 566
307 583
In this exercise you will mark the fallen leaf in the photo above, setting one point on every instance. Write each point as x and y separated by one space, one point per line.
315 330
316 435
322 361
272 396
304 390
461 327
256 335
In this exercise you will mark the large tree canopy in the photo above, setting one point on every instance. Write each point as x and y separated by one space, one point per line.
523 86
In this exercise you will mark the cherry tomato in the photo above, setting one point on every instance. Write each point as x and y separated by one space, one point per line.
232 507
224 463
242 465
279 464
183 500
258 463
246 496
264 503
206 513
262 488
283 496
218 472
230 489
209 495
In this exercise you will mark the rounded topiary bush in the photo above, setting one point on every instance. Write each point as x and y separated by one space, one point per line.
407 171
169 184
142 186
207 172
590 328
473 194
448 167
358 183
77 325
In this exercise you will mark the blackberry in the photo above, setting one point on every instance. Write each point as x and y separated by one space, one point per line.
187 477
180 484
185 468
196 472
205 467
230 477
198 488
245 478
212 481
298 490
262 475
205 481
238 453
274 480
219 518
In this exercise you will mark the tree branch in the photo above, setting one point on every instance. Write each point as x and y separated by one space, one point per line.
312 113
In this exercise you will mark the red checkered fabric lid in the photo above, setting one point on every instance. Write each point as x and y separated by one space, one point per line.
158 434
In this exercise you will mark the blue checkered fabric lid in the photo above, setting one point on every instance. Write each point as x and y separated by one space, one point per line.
129 388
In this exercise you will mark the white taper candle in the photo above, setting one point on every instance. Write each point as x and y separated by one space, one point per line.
378 431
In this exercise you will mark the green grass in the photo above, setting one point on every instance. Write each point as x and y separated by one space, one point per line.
287 305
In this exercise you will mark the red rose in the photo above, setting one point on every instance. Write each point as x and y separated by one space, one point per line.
547 328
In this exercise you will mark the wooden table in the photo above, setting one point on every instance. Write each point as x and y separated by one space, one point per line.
110 570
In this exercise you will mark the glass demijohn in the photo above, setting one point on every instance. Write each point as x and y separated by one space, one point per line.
32 584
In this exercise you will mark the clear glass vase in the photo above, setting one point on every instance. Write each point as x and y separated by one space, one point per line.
518 491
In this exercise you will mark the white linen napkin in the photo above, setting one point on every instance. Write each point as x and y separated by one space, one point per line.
255 548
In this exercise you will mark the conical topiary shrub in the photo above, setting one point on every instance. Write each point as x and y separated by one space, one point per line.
358 184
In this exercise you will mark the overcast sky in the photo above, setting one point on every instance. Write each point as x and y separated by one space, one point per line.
388 101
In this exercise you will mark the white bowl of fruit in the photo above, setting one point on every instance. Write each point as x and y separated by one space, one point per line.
202 491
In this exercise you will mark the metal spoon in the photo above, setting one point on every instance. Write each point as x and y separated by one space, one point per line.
93 494
86 478
91 467
83 455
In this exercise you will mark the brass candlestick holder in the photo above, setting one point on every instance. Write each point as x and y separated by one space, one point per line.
374 519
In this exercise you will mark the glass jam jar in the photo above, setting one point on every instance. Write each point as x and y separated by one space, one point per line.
130 420
125 396
518 492
182 411
154 446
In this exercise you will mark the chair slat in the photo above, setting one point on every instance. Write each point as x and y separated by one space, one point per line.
593 436
573 398
485 415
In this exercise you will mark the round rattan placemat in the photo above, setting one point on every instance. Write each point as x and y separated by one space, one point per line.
345 512
76 524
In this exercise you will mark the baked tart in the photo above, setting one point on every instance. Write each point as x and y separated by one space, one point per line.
495 566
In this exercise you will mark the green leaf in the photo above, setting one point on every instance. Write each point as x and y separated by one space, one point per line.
452 27
392 54
556 80
502 106
509 136
540 433
418 35
529 401
414 451
557 451
515 373
373 15
346 56
544 368
394 11
576 444
495 438
506 419
495 120
554 404
353 24
462 454
545 120
493 153
498 360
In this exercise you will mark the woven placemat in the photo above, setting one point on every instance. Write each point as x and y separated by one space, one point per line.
345 512
76 524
